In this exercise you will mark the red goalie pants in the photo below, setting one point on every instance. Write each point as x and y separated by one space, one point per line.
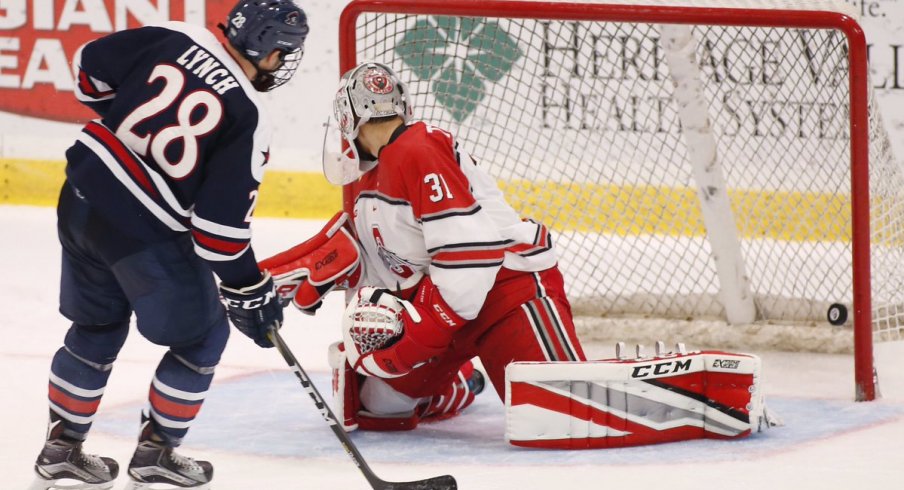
526 317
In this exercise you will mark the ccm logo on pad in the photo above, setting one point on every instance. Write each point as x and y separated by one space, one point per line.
660 368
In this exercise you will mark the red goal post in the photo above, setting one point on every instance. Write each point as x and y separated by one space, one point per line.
715 236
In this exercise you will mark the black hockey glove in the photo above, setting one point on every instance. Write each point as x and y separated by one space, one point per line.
254 309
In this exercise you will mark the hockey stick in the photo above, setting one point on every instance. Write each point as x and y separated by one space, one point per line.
445 482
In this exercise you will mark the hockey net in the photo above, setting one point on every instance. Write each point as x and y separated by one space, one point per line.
696 159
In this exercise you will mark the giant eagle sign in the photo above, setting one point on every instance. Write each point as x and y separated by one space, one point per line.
38 39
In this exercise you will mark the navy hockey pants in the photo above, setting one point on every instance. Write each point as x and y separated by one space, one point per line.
106 276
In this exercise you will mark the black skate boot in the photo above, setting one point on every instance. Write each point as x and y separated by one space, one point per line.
155 463
63 465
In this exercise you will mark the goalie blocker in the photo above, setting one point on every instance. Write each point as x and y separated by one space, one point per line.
307 272
631 402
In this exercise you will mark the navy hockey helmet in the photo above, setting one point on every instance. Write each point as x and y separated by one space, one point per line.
258 27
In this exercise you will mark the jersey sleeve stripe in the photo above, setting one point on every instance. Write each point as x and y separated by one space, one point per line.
469 256
123 156
91 89
217 257
218 245
466 265
213 228
448 213
497 245
382 197
542 243
167 215
134 167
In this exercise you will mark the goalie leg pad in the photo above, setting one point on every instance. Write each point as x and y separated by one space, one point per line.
346 388
391 410
347 398
385 409
618 403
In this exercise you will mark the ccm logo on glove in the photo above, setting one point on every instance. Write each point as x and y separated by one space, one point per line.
250 304
444 316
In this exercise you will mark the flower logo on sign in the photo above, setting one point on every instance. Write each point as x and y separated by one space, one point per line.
460 56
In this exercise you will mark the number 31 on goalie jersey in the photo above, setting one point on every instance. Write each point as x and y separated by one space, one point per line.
439 187
435 181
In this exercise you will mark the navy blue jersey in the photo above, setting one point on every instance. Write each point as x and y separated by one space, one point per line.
181 143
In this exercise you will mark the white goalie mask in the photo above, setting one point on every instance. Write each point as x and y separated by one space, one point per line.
370 90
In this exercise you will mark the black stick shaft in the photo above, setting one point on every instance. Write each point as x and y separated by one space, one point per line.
445 482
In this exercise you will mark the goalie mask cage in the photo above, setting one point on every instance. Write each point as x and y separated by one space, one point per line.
701 161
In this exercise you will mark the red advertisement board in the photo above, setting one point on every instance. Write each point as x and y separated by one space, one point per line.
38 39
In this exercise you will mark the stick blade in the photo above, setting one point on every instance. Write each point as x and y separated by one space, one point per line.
445 482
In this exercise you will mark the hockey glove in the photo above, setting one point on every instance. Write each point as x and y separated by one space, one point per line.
305 273
388 337
254 309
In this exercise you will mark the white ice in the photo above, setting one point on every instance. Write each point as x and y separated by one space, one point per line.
263 432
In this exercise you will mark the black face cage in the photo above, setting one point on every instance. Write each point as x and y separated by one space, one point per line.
286 70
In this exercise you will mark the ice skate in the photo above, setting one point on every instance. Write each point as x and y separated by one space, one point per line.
62 465
155 466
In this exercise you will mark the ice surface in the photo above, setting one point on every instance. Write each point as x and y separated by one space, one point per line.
262 431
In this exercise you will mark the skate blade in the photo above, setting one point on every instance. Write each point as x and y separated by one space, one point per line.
67 484
135 485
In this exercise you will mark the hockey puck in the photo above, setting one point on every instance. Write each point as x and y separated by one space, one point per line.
837 314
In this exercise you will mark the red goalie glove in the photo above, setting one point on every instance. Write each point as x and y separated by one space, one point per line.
305 273
387 337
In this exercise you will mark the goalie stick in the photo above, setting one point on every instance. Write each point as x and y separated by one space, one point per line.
444 482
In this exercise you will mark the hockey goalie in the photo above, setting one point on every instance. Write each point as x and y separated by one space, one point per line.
440 270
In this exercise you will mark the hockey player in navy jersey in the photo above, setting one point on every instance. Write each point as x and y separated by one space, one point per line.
159 196
449 270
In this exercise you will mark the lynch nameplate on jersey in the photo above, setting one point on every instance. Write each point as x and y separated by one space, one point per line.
201 64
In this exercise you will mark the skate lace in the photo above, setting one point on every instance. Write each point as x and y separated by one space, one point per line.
185 463
91 460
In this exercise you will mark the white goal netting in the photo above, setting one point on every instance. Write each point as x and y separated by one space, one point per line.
581 123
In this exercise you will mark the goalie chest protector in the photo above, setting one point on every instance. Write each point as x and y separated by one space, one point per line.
619 403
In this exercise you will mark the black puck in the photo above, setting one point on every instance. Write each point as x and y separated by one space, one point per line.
837 314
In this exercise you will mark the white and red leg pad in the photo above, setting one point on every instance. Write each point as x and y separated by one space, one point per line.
407 412
631 402
346 386
347 404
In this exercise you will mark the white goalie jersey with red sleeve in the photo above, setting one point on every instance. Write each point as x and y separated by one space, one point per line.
427 208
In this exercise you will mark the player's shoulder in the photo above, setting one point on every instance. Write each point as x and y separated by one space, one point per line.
198 47
169 35
419 145
193 31
420 131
